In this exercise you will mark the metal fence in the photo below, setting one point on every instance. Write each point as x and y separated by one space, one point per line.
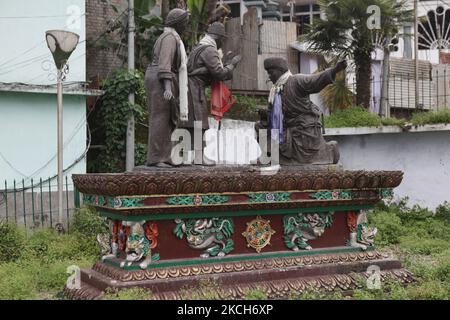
36 205
433 91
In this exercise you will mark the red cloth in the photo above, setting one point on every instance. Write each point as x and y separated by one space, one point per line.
221 100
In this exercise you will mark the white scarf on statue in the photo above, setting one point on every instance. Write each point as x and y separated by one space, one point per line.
277 87
182 75
209 41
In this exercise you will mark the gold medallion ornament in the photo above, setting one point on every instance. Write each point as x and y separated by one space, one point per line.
258 233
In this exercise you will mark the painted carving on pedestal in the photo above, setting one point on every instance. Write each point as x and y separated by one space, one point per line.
211 235
361 235
302 227
258 233
108 241
136 239
142 238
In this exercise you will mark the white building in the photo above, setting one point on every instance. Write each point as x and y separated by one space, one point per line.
434 56
28 92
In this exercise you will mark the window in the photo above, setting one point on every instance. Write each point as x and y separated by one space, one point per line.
303 23
235 10
407 45
304 8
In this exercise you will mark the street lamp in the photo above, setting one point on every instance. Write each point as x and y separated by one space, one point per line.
61 44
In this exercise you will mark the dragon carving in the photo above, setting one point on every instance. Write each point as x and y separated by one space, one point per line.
302 227
211 235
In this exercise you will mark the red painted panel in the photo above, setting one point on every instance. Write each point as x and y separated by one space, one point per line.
170 247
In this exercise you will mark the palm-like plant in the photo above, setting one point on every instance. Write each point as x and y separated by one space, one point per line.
201 11
337 96
345 33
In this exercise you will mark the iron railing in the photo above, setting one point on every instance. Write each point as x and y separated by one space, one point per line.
434 90
35 205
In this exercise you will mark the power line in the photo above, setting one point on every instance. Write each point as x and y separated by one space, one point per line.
81 123
108 29
35 46
27 62
30 61
35 17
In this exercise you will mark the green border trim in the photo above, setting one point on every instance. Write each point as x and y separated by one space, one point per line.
225 259
249 213
220 199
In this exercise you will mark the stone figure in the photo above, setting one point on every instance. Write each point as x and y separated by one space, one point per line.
361 235
292 119
205 67
140 244
166 85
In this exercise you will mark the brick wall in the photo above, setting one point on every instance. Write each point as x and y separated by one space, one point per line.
102 59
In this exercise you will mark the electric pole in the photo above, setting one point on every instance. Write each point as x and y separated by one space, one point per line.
130 125
416 52
384 107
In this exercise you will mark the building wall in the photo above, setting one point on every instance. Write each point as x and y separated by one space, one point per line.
29 135
28 120
424 157
24 54
102 59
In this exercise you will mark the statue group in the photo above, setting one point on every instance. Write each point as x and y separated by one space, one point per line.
176 86
253 228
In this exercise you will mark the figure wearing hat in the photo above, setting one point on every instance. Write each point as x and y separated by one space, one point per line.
205 67
293 119
166 82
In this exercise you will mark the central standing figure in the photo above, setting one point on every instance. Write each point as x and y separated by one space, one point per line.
166 83
205 67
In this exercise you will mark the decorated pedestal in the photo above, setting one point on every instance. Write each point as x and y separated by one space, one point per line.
281 233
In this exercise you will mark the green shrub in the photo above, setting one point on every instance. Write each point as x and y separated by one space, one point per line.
442 270
49 247
353 117
17 283
415 214
41 245
359 117
426 246
111 118
87 222
389 227
430 228
53 277
246 108
12 242
422 118
393 122
443 212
